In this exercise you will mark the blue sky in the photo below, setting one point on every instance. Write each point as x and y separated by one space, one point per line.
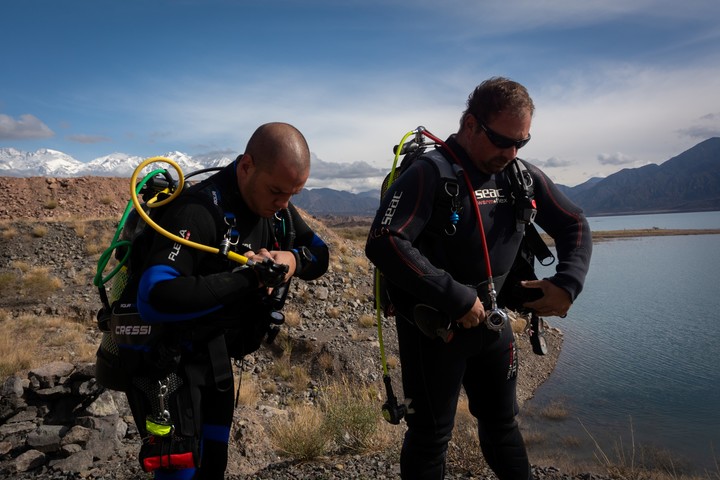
616 83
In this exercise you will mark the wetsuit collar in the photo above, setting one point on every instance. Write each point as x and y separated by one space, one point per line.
462 155
231 198
467 163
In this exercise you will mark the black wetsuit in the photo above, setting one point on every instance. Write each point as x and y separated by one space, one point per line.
447 272
199 295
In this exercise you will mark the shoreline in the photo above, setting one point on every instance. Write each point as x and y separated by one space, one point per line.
652 232
607 235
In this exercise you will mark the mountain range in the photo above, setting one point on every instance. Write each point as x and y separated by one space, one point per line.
687 182
52 163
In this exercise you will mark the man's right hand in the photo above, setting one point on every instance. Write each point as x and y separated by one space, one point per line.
474 317
268 279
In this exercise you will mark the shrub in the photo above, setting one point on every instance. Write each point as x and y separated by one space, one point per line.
351 416
8 233
301 434
38 284
366 320
39 231
556 410
292 318
346 419
249 392
30 341
28 285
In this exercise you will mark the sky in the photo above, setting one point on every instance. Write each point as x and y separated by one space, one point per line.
616 83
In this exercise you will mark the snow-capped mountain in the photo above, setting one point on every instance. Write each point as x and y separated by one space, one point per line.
52 163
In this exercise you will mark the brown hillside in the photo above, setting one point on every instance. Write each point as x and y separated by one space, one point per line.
62 198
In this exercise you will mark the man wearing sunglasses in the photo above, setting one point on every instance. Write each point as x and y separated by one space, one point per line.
449 270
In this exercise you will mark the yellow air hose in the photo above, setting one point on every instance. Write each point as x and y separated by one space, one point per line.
241 259
378 308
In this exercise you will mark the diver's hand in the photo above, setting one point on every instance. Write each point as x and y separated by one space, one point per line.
285 258
474 317
267 273
554 302
259 257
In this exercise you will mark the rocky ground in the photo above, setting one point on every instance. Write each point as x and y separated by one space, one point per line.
63 224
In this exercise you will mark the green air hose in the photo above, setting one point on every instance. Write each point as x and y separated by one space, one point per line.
116 242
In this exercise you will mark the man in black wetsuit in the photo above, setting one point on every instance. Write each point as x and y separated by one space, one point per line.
213 308
449 274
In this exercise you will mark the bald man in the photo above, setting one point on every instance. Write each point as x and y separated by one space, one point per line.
208 309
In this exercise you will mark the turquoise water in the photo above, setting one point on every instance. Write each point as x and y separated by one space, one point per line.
641 352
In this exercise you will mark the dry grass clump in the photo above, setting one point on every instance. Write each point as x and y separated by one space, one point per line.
295 377
333 312
392 362
27 284
30 341
39 231
292 318
249 392
97 238
351 416
366 320
346 420
300 435
555 410
348 257
326 362
8 232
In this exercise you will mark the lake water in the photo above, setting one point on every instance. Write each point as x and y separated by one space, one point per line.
665 220
640 362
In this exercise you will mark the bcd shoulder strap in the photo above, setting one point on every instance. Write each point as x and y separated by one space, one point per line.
447 196
523 193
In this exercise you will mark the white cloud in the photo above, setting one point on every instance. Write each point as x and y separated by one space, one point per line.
27 127
641 113
615 159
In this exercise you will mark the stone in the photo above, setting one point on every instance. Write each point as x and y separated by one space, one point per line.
103 406
30 460
76 463
46 438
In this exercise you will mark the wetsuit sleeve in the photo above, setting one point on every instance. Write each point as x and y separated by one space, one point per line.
404 212
306 237
566 224
171 288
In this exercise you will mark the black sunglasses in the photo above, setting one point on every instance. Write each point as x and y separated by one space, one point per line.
501 141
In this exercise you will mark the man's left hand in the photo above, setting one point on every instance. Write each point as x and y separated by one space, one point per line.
554 302
285 258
